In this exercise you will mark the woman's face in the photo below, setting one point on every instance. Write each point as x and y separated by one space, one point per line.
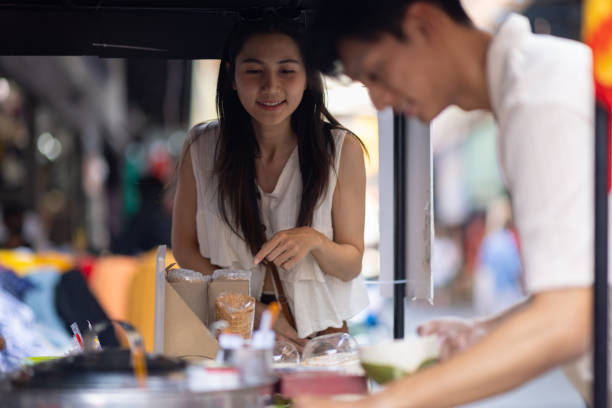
270 78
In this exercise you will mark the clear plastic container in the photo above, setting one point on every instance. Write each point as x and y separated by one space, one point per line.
336 351
285 354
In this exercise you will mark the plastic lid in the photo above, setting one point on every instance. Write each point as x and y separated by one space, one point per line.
230 341
263 339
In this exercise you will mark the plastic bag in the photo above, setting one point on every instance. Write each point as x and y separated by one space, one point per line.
232 274
186 275
238 311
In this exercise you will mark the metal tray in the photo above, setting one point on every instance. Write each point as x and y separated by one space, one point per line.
106 380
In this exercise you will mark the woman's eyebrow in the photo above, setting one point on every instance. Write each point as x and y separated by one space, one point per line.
289 60
251 60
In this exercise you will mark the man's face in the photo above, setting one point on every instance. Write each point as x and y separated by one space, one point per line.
408 75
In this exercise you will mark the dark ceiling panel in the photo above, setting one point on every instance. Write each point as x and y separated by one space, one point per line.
43 33
166 4
163 33
135 28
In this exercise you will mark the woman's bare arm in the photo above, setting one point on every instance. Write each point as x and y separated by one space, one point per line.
184 236
343 256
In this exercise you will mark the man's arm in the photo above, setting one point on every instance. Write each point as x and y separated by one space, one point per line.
554 327
457 334
491 322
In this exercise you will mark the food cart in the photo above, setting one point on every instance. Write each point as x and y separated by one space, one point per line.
193 29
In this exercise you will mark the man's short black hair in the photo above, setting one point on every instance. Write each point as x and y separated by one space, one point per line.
365 19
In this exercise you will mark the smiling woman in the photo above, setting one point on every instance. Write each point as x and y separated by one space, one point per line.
270 78
276 185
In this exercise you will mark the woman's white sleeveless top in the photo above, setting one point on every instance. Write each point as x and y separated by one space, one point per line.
318 300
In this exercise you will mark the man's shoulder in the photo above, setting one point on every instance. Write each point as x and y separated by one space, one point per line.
548 56
547 70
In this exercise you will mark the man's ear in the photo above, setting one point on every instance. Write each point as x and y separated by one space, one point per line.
420 20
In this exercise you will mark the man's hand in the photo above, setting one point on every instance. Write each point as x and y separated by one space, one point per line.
286 248
456 334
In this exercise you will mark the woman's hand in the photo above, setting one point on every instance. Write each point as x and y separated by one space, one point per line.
282 328
286 248
284 331
455 334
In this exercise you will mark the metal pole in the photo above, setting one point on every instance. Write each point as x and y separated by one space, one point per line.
600 315
399 193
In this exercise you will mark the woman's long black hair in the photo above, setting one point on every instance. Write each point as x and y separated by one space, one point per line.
237 147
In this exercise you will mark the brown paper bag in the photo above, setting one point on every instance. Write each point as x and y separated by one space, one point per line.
195 295
185 315
182 311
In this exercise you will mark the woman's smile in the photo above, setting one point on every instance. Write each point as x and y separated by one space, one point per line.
271 105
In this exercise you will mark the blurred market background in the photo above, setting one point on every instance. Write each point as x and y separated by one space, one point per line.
88 148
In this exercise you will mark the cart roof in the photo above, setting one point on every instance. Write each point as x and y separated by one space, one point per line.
128 28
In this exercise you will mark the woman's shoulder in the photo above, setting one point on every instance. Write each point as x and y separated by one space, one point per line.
201 141
337 132
337 136
204 132
352 149
342 135
346 142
